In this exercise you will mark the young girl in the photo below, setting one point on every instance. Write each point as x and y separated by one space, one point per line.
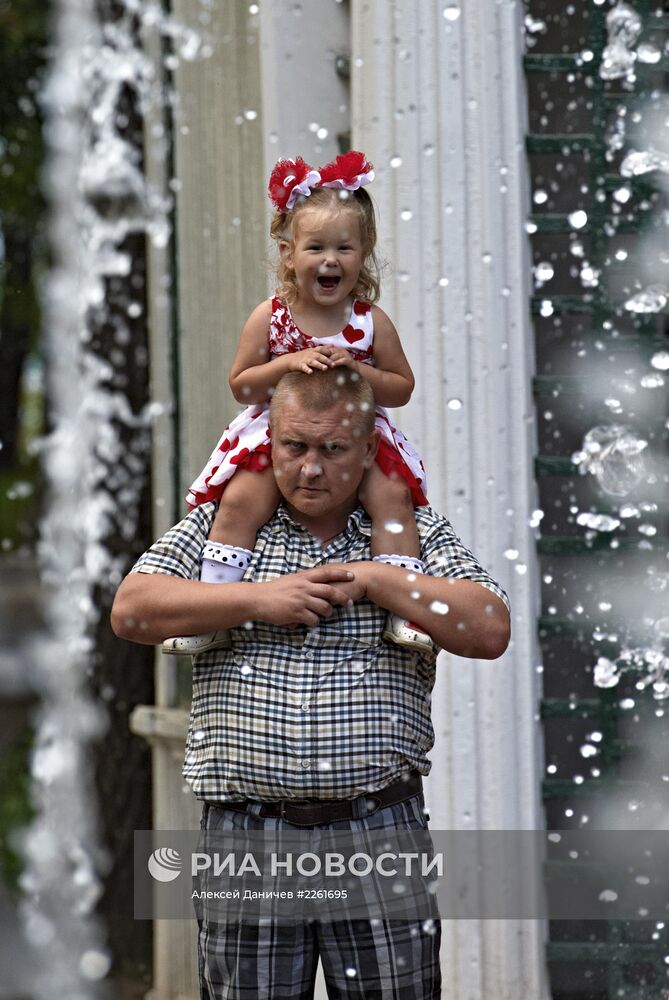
322 316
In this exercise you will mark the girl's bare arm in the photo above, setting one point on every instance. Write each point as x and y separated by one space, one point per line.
390 377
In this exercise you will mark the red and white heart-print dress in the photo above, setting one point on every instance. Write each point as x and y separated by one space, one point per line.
245 442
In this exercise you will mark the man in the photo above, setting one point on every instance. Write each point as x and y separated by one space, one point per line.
309 718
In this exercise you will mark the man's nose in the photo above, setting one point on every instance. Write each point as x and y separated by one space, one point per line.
311 467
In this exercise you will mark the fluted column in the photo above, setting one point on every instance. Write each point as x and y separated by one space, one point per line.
439 107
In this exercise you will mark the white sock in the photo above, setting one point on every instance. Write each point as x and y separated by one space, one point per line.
223 563
404 562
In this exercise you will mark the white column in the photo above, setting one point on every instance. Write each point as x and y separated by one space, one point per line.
439 107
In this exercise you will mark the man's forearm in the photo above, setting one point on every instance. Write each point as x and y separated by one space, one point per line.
149 607
462 616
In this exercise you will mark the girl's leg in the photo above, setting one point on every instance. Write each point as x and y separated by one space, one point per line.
248 501
395 540
388 502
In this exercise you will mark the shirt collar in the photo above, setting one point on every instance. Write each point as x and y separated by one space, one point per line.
358 521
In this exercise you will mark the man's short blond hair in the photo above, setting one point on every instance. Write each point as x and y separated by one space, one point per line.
321 390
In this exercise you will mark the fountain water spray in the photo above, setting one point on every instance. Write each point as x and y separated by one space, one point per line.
98 197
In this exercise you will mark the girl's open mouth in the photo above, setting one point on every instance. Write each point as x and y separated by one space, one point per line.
328 281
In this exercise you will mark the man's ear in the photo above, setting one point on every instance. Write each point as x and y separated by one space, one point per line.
372 446
286 253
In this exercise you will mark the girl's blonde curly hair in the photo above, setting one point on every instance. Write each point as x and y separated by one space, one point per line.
282 230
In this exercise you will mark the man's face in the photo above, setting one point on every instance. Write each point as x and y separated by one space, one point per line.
319 459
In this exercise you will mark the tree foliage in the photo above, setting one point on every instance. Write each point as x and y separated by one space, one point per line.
24 27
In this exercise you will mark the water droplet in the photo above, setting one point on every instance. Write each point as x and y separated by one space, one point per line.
540 198
94 964
648 53
454 404
578 219
608 896
546 308
639 162
351 972
650 300
511 554
597 522
393 527
451 13
614 455
661 627
396 162
606 673
250 115
406 214
533 25
587 750
622 195
439 608
589 276
660 360
653 381
544 271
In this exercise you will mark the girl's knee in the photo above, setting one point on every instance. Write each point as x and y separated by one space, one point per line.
251 496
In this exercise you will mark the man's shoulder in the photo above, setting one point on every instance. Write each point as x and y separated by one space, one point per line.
177 551
427 519
198 519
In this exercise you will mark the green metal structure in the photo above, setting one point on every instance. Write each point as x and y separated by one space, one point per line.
574 162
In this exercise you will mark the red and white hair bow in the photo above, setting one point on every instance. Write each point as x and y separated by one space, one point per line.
348 172
291 179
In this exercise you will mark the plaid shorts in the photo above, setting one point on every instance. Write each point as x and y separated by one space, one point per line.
370 959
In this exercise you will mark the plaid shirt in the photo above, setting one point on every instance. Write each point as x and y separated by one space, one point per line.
328 712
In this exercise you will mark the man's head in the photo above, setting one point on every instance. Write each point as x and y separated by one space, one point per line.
323 441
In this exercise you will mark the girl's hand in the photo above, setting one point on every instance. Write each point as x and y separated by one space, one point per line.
340 356
313 358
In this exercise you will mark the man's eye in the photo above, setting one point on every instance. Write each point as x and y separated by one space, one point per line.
331 447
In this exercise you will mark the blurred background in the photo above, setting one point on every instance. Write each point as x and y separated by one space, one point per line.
521 154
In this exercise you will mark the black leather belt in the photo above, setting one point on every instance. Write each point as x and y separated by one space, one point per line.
318 811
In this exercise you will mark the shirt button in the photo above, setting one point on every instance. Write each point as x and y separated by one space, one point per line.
306 763
306 707
308 655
